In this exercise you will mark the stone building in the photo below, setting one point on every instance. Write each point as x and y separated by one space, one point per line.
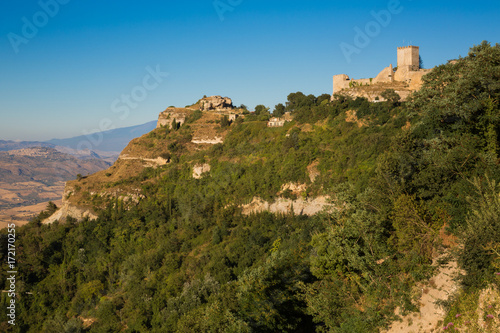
276 122
280 121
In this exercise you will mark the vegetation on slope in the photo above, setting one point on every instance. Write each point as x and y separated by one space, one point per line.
184 259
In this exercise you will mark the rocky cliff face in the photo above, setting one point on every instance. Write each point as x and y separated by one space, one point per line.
216 103
167 117
152 150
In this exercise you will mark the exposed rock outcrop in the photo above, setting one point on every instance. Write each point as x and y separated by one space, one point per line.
167 117
216 103
149 162
210 141
200 169
300 206
67 209
312 171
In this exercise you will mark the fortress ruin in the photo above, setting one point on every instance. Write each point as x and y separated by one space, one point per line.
404 79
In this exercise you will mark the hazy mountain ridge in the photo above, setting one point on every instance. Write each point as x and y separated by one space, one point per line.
6 145
114 140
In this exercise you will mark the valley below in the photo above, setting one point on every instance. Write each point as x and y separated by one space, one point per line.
31 177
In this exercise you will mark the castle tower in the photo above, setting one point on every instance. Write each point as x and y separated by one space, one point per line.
408 58
340 82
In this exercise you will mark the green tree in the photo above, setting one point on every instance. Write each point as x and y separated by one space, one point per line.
261 109
298 100
244 108
279 110
174 125
415 230
51 208
391 96
224 122
480 256
268 295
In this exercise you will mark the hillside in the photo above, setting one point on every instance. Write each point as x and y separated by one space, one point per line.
341 220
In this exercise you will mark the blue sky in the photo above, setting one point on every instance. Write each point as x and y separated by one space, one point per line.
70 76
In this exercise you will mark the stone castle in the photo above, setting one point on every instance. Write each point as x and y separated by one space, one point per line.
404 79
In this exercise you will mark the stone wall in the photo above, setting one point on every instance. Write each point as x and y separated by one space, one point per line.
342 81
414 78
386 75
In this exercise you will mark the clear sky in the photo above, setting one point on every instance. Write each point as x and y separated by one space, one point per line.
69 67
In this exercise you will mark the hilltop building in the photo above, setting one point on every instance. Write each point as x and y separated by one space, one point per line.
404 79
276 122
280 121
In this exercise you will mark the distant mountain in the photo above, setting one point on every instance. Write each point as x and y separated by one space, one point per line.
14 145
112 141
108 156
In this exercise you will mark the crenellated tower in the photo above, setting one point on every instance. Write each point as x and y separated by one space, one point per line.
408 58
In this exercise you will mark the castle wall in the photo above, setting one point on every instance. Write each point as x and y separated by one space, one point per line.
401 74
415 78
340 82
386 75
361 82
